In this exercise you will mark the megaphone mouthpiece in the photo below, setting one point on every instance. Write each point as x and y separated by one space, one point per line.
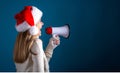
49 30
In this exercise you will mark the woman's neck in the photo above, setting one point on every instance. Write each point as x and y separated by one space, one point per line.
35 37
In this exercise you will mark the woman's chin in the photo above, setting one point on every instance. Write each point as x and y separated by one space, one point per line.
40 34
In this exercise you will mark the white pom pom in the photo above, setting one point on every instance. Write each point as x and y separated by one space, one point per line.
33 30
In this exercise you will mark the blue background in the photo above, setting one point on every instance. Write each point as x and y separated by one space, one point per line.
94 44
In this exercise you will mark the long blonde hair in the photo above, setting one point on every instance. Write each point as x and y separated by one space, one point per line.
23 44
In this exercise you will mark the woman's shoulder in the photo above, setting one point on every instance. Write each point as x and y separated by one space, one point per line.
38 41
37 46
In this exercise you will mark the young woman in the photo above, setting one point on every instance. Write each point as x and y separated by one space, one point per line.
28 51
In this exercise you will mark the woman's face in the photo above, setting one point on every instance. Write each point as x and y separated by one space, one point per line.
39 25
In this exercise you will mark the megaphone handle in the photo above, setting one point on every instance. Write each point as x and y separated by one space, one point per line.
54 35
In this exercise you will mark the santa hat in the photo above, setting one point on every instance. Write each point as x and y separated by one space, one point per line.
27 19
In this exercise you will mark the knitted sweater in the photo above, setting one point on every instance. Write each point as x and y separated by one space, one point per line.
39 62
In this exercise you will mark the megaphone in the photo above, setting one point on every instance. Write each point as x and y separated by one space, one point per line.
62 31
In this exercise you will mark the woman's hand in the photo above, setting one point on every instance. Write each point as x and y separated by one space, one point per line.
54 41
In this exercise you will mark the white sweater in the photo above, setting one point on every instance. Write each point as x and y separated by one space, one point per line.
39 62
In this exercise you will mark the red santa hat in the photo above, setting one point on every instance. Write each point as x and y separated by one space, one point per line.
27 19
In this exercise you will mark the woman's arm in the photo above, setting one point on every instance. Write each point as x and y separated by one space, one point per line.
38 57
53 43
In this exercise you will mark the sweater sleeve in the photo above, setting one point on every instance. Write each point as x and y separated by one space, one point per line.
50 48
49 52
38 57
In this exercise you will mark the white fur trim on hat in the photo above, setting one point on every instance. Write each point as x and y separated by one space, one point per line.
33 30
37 14
22 27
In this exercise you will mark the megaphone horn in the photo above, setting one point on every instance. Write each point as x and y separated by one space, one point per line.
62 31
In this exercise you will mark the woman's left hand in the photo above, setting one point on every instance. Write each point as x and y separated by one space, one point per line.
54 41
